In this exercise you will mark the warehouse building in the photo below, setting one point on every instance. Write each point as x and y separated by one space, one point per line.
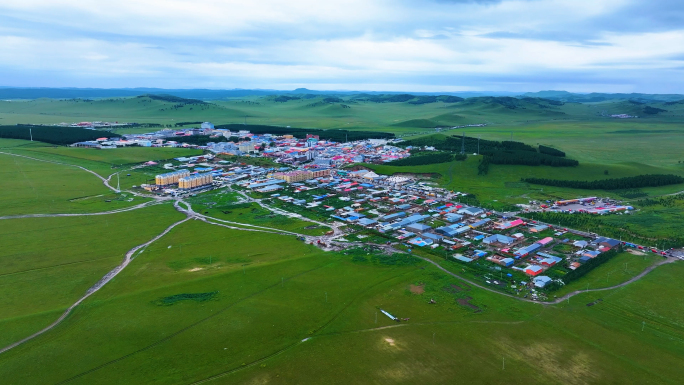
171 177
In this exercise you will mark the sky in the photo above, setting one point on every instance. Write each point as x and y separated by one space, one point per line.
373 45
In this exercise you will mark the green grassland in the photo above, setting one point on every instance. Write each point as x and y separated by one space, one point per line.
503 181
103 162
259 308
46 264
32 187
619 269
224 205
274 293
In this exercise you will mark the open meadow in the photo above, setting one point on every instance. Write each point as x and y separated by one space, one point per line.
205 303
48 263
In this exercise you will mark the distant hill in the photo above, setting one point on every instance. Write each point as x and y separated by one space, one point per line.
203 94
595 97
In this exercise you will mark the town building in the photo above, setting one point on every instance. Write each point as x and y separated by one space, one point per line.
171 177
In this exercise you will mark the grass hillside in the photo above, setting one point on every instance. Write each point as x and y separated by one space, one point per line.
210 303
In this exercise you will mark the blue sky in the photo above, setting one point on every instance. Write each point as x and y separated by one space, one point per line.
399 45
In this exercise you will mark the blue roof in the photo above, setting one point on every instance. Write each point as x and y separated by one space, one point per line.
433 236
498 238
462 258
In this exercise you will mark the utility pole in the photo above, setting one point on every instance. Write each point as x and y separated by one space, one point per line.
117 182
31 133
463 144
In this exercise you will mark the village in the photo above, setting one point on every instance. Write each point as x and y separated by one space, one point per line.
307 177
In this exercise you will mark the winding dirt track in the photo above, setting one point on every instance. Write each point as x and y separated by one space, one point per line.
104 181
190 214
560 299
140 206
108 277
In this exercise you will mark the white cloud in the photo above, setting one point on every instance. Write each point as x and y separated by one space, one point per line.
421 45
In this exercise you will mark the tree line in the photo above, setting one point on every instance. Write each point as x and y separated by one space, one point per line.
551 151
590 265
427 158
199 140
469 144
529 158
334 135
53 135
181 124
595 223
648 180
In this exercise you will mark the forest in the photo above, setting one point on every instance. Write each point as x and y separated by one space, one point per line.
529 158
648 180
53 134
334 135
424 158
550 151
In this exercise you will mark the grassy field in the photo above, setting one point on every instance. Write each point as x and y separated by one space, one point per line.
32 187
256 308
245 329
222 205
103 162
619 269
48 263
503 184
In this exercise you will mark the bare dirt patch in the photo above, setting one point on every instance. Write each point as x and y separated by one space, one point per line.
635 252
196 269
389 341
456 287
466 302
417 289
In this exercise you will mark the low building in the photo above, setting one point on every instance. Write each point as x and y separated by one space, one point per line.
539 228
525 251
541 281
471 211
580 244
418 227
533 270
480 223
451 218
608 243
434 237
591 253
498 238
545 241
446 230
